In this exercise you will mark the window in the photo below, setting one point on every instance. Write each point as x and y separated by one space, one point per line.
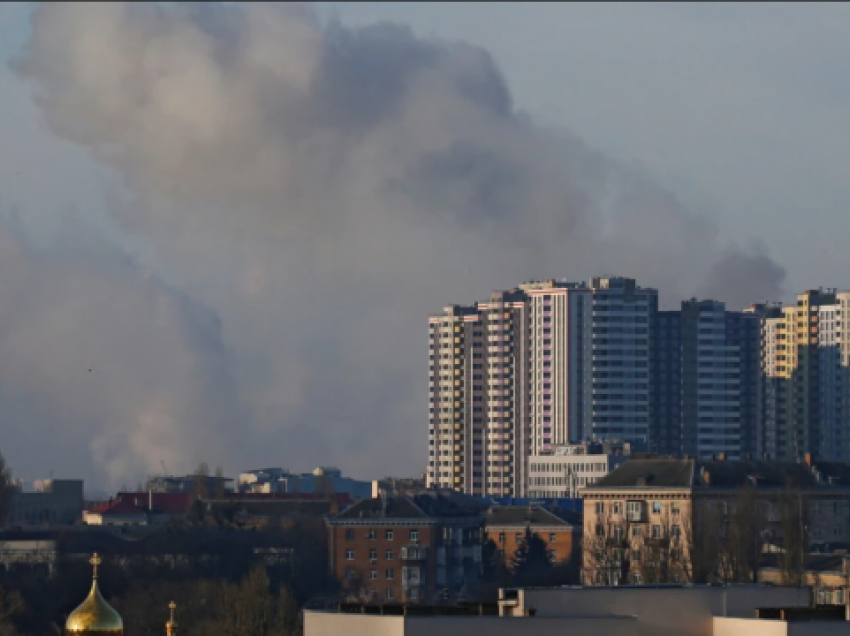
389 535
389 593
349 574
656 507
519 537
635 555
349 534
656 532
370 534
674 508
618 532
552 537
373 575
389 555
676 531
373 555
836 531
502 538
414 536
635 531
600 507
600 530
390 574
349 555
616 509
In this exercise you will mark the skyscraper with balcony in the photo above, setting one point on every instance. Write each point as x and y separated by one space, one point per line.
805 364
539 366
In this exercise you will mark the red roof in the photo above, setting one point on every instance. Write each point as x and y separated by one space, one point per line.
136 503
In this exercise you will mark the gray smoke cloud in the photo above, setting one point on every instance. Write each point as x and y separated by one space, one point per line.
103 364
323 189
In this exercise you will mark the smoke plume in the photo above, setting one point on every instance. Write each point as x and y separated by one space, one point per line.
322 189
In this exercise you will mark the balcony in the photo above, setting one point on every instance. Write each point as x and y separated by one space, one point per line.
414 553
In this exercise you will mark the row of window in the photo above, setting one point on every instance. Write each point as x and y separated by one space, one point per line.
389 535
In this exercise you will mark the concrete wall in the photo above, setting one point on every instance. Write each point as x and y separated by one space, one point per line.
756 627
749 627
331 624
662 612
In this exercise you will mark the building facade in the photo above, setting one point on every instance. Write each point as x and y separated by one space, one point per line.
506 526
805 359
542 365
408 548
58 502
669 520
561 473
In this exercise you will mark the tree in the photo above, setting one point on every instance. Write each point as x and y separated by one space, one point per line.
748 528
201 478
793 516
6 489
11 605
531 560
219 483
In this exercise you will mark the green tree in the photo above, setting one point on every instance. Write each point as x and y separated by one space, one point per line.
532 559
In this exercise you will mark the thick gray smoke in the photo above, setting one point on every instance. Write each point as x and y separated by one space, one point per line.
101 362
323 189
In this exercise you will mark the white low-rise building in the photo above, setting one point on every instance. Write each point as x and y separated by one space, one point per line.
561 473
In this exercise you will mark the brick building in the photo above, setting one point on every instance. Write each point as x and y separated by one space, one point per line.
506 526
408 548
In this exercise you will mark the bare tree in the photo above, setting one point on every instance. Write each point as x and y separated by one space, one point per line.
748 529
6 489
793 518
11 605
219 483
201 478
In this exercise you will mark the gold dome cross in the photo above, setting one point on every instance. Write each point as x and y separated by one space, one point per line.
95 561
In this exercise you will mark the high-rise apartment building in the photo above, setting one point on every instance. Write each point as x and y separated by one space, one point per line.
719 371
545 364
805 379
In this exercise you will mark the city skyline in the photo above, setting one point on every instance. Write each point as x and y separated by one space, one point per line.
221 228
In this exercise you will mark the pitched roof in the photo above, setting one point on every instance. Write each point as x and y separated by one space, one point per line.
433 503
703 474
648 473
522 516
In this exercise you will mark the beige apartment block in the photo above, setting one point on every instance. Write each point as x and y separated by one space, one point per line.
654 521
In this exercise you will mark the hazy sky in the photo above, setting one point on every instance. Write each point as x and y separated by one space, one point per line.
223 229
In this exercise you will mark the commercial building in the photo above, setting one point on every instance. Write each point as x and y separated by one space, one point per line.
561 472
57 502
408 548
204 485
654 521
615 611
323 479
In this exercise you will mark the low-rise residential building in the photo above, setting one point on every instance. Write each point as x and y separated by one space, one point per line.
563 471
684 520
139 509
408 548
827 574
57 502
507 526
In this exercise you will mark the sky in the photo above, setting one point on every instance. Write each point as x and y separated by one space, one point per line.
223 227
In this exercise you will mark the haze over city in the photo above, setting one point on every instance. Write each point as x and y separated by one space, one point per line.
223 227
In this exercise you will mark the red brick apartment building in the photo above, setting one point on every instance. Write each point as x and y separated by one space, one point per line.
412 548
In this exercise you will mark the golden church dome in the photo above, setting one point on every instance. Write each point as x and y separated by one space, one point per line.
95 615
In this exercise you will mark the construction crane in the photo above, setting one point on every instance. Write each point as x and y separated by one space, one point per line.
164 469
